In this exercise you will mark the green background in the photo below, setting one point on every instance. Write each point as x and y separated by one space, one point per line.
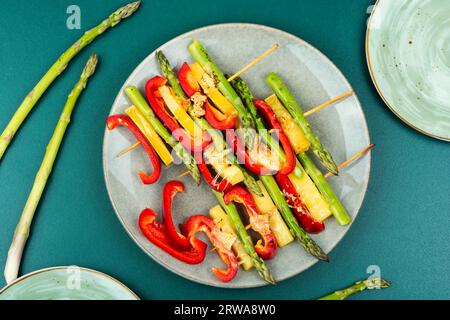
403 226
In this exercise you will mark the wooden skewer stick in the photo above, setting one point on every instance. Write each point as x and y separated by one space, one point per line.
356 156
251 64
184 174
330 102
134 145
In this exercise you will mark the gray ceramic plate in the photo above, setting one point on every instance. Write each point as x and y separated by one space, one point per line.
313 79
66 283
408 54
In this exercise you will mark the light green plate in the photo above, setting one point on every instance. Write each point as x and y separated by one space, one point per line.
408 54
66 283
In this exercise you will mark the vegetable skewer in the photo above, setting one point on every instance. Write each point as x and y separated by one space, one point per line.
200 55
139 102
23 228
57 68
167 70
233 214
289 102
369 284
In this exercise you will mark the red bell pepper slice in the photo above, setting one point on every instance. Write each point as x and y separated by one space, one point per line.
241 195
123 120
156 233
295 202
227 123
290 162
243 156
170 190
188 83
201 223
157 104
220 186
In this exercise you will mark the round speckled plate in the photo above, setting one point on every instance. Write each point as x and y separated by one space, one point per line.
408 54
66 283
313 80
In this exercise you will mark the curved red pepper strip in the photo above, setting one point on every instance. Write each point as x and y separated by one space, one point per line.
201 223
242 154
185 78
222 186
290 162
157 104
228 123
123 120
156 233
170 190
241 195
295 202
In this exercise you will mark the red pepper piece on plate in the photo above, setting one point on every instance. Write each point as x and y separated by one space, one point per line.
217 119
156 233
243 156
201 223
258 221
290 162
170 190
123 120
220 186
158 106
295 202
188 83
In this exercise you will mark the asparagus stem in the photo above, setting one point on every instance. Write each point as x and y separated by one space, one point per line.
56 69
246 121
305 240
369 284
244 91
336 206
138 100
289 102
217 137
23 228
233 214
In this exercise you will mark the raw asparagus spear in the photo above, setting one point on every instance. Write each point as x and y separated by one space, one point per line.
138 100
305 240
336 206
369 284
233 214
289 102
23 227
167 71
56 69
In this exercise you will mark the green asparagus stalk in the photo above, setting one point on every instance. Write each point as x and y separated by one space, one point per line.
244 91
369 284
246 121
289 102
138 100
217 137
305 240
233 214
56 69
23 228
316 175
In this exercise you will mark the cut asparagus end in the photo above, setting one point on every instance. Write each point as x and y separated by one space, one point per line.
14 257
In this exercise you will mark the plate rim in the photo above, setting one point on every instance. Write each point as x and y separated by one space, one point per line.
45 270
220 25
374 81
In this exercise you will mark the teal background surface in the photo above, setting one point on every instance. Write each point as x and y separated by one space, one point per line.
404 223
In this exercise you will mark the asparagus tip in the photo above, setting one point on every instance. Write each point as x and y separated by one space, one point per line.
90 66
